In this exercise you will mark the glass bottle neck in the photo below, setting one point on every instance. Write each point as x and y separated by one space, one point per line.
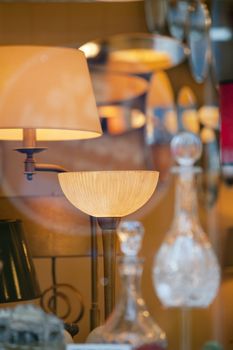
186 206
130 269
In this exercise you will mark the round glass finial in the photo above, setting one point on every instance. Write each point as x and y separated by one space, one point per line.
186 148
130 234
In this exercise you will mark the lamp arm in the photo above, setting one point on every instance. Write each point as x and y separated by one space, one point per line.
30 165
50 168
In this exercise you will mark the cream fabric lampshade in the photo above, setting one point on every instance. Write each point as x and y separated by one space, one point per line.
109 193
47 89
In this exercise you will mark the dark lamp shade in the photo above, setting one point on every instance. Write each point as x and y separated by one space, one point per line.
17 278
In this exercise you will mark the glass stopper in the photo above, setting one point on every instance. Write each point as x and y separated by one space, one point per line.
186 148
130 234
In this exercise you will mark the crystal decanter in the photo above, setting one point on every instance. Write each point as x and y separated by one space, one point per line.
130 321
186 272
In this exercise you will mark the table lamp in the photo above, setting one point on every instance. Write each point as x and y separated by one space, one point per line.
45 95
108 196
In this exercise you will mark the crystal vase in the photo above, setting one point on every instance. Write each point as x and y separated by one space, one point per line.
186 272
130 321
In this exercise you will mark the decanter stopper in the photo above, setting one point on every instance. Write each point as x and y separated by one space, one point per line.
186 148
130 234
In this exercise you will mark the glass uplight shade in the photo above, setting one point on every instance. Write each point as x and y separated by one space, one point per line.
47 89
109 193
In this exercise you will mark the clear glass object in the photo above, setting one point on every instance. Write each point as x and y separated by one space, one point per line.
5 315
177 18
199 41
54 339
186 272
30 328
26 328
130 321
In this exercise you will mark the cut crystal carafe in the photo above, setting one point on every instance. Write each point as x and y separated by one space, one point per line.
186 272
130 321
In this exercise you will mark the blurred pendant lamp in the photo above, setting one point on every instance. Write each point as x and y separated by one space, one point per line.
136 53
132 55
17 277
118 65
45 95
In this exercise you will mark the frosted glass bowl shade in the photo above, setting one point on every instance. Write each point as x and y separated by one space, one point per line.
109 193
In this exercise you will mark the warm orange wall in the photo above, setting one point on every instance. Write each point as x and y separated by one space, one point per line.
65 24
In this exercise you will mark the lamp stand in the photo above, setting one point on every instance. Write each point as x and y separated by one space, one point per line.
94 311
109 226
